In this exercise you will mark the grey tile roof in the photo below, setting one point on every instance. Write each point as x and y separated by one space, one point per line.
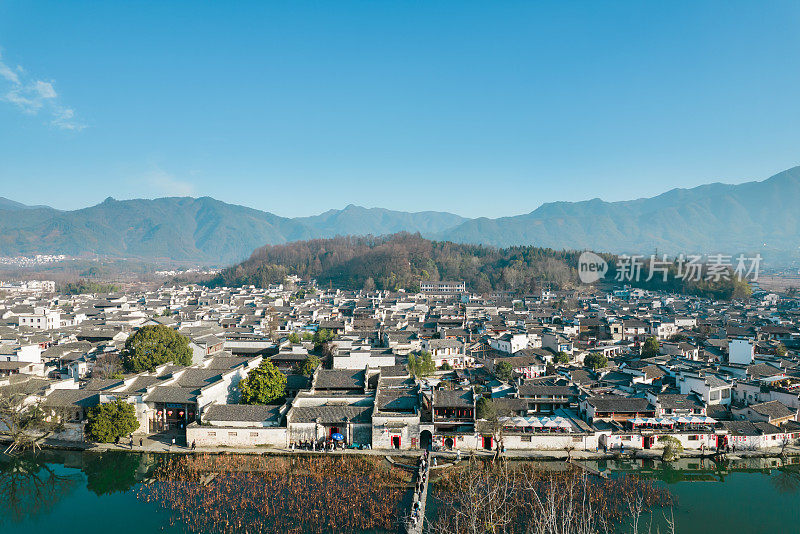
72 397
242 413
772 409
397 400
457 398
172 394
331 414
339 379
619 404
679 402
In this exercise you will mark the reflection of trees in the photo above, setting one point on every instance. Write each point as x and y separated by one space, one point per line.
111 471
786 480
29 487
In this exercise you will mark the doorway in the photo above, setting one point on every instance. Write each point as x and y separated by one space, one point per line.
425 439
395 442
487 442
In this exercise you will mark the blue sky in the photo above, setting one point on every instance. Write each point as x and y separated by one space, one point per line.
478 108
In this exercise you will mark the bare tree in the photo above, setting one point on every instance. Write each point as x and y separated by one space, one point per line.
500 499
22 423
107 365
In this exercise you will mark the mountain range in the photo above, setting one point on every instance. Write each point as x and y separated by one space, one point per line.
715 218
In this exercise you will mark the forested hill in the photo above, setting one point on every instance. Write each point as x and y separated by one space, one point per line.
401 261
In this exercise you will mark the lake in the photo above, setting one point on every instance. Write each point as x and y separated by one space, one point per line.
89 493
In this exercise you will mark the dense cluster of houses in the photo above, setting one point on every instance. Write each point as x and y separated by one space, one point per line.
550 370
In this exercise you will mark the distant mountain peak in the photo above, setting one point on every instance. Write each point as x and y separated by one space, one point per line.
13 205
713 218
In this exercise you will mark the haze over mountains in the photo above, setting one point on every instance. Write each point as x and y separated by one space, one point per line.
715 218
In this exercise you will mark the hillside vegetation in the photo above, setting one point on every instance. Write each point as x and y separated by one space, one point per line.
400 261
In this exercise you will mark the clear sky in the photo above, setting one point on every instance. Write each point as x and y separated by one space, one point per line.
479 108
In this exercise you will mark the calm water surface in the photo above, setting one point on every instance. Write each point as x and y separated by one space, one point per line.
87 493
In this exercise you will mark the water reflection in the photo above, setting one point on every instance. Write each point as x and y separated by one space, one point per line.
112 471
786 480
29 487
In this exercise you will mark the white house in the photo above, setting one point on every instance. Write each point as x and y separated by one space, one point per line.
741 351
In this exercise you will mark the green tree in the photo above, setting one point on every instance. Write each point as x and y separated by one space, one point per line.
446 367
152 346
294 338
421 365
321 337
310 365
112 420
486 409
263 385
650 348
780 350
561 357
595 361
503 371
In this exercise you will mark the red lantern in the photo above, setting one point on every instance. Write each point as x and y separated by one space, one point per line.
159 412
180 413
169 412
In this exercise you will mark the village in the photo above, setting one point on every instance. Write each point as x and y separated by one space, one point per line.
438 369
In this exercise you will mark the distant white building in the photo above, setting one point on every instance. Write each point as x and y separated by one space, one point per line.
41 318
509 343
741 351
447 350
442 287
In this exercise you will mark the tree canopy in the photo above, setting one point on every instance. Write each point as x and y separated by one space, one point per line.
595 361
421 365
503 371
310 365
263 385
109 421
650 348
294 338
486 409
321 337
152 346
561 357
83 286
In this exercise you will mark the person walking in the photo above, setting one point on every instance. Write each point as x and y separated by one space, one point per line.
141 442
194 445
